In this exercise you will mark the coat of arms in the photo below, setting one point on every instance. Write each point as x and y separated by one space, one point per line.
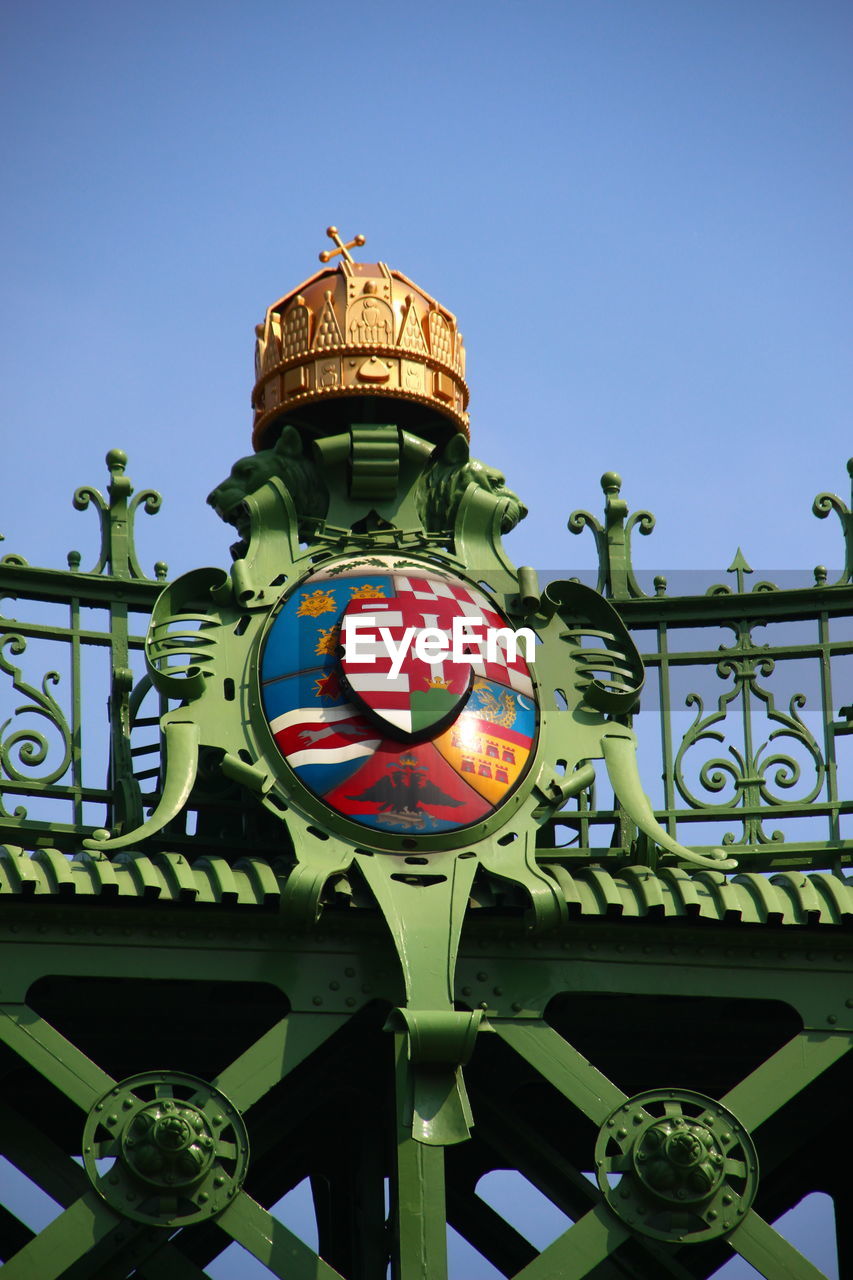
385 736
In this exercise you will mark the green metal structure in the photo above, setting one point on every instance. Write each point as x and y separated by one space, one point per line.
221 977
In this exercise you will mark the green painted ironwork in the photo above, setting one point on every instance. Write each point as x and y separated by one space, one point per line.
256 994
175 1149
42 757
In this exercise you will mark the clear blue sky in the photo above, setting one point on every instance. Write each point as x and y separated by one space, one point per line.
640 213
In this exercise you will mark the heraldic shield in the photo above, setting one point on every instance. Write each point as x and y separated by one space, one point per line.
395 692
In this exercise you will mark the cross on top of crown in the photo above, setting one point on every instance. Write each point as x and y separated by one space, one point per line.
328 254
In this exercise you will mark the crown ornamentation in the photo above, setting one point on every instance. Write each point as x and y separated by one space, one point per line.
357 329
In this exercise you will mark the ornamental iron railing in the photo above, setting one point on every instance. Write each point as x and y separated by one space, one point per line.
745 727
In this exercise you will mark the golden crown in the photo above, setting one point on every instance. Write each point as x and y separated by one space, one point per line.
354 330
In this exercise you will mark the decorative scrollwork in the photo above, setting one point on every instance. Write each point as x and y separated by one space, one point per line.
821 507
27 754
751 777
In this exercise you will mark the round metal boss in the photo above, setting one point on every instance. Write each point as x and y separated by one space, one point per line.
676 1165
165 1148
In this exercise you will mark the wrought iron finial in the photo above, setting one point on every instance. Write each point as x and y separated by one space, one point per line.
328 254
613 539
116 513
739 567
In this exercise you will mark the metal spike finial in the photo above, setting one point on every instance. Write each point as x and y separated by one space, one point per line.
328 254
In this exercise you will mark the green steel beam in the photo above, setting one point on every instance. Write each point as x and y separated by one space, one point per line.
574 1254
14 1234
418 1209
497 1240
166 1264
268 1240
37 1156
520 1146
62 1242
275 1055
420 1240
783 1075
771 1254
54 1057
562 1065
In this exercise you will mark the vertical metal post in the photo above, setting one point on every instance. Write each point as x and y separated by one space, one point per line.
417 1191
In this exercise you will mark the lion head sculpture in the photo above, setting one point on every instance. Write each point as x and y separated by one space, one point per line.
287 461
444 482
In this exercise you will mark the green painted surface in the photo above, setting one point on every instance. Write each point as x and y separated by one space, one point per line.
422 1014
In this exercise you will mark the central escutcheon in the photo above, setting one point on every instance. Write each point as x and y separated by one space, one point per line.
395 692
